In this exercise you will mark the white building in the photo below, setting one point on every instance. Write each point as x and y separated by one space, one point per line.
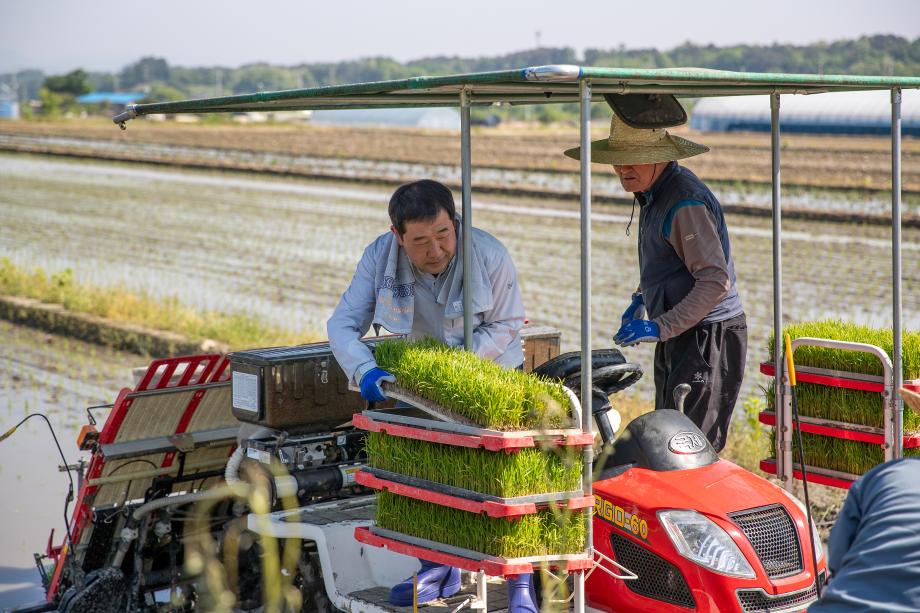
865 112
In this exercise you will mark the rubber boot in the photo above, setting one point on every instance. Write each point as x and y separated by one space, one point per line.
434 581
521 595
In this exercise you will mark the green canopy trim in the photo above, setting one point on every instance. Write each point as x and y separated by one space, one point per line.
532 85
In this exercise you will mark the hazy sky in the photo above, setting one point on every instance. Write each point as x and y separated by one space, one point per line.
61 35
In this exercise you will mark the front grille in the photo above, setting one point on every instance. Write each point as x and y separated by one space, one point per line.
758 601
657 578
773 536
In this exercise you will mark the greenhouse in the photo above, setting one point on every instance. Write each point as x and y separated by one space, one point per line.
858 112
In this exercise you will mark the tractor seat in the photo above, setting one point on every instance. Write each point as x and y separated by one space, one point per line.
609 370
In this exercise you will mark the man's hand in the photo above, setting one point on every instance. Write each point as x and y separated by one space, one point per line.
635 310
370 384
637 331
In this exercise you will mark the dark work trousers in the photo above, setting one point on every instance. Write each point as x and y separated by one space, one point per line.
710 358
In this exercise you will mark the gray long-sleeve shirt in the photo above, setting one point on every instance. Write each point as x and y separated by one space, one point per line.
496 332
696 241
686 272
874 547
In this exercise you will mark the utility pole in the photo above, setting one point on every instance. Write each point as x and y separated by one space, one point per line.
538 39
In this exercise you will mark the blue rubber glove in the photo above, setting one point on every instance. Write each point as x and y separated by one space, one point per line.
637 331
635 310
370 384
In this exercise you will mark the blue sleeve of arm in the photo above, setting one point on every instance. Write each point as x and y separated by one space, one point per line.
844 531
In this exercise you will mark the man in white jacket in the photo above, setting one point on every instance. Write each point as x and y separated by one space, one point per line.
410 281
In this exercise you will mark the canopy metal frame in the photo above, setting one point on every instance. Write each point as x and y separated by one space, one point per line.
557 84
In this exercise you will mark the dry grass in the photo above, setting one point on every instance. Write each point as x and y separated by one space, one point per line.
118 304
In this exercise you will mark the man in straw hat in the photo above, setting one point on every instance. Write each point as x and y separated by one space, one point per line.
686 302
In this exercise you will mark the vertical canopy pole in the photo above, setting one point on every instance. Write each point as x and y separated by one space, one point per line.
467 212
897 404
783 412
586 416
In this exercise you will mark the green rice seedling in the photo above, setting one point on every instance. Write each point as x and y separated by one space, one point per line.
506 475
844 405
478 389
852 361
844 455
544 533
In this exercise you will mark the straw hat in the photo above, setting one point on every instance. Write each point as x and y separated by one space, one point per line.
628 145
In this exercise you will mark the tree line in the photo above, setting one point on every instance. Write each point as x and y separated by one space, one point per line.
879 55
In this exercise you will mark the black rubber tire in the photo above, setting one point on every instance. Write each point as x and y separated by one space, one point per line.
104 591
312 588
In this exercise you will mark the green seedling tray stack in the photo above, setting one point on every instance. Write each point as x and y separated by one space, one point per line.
448 491
842 426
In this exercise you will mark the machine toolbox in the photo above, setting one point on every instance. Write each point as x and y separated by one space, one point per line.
299 389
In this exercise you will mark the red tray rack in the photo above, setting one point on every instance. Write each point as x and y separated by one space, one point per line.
840 429
434 431
499 508
464 558
834 429
822 476
836 378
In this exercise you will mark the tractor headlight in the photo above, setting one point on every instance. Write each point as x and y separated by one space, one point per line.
701 540
819 549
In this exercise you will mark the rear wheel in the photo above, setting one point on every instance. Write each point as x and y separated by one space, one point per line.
104 591
308 579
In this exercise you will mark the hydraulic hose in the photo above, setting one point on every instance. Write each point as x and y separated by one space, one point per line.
232 472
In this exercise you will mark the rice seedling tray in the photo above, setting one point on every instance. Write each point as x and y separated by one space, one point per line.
821 476
839 378
408 424
467 559
468 500
839 429
428 410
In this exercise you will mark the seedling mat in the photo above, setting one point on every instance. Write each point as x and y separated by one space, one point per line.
467 559
468 500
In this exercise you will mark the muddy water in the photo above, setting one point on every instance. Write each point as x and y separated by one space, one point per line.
285 249
60 378
848 201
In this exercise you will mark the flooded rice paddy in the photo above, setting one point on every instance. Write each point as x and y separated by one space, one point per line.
284 249
539 180
59 377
